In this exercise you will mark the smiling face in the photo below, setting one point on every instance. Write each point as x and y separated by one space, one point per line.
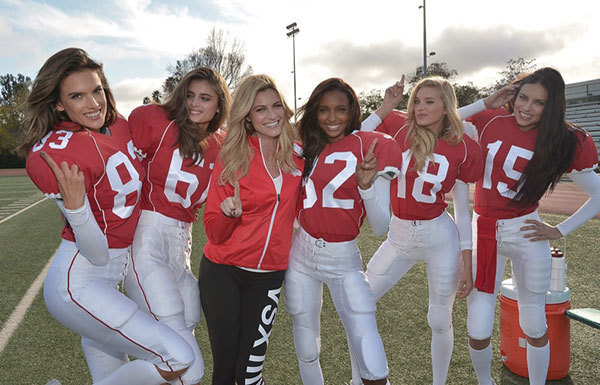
202 102
267 114
83 99
529 105
430 109
334 114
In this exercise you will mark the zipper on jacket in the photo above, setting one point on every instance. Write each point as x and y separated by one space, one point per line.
274 208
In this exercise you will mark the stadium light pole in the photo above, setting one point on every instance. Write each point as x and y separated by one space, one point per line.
424 40
293 31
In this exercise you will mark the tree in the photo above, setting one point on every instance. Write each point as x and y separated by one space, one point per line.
369 102
14 91
224 55
514 67
433 69
468 93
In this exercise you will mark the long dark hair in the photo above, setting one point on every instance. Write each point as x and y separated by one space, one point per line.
312 136
41 113
555 144
191 139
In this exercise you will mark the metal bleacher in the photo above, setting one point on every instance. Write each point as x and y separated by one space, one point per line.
583 106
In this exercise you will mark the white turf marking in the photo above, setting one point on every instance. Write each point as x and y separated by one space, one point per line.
17 315
20 211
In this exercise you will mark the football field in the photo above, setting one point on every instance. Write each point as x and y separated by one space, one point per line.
35 348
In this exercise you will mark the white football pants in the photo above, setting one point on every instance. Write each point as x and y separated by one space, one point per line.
85 298
436 243
160 281
338 265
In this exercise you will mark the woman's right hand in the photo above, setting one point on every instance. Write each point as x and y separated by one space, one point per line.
501 97
70 182
232 206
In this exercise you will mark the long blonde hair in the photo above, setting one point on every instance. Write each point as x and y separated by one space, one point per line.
423 140
236 153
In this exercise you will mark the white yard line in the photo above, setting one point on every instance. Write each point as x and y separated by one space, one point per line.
17 315
20 211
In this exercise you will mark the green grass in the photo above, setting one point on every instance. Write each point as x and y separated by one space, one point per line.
42 349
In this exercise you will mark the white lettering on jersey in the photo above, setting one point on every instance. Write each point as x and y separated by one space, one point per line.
122 189
177 174
508 165
424 177
63 140
329 190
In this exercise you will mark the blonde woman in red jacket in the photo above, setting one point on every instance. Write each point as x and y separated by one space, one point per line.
248 219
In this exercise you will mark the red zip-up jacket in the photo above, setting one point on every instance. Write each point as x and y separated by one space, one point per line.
261 237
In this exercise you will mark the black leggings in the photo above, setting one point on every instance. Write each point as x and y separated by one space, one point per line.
239 307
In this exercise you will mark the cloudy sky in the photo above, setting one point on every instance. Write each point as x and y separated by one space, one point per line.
368 43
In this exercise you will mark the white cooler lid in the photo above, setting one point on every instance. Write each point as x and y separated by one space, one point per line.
509 290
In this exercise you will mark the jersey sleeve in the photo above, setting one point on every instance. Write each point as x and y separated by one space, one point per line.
586 154
392 123
471 169
388 155
482 118
74 152
140 126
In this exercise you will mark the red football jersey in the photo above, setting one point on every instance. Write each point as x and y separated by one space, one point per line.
421 194
174 185
507 149
113 175
332 208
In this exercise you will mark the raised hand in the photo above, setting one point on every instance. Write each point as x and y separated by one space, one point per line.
70 182
391 98
366 171
232 206
540 231
501 97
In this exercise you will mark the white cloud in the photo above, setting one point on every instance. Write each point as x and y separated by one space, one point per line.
131 92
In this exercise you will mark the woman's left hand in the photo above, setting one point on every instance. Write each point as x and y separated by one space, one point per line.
465 282
366 171
71 182
540 231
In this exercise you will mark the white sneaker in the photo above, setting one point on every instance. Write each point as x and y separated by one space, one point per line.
53 381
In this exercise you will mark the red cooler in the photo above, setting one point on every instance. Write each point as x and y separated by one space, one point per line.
513 342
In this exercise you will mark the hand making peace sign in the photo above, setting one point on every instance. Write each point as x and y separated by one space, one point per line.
366 171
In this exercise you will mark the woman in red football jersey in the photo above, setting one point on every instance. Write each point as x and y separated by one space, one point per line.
527 148
178 143
71 119
346 177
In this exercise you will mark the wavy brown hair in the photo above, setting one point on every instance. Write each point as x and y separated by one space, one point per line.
313 138
236 153
192 140
422 139
41 114
556 141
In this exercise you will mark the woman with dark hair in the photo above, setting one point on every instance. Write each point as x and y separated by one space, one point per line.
346 175
178 143
527 149
71 120
248 219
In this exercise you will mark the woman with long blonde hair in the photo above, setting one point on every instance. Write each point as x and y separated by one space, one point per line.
436 156
248 219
